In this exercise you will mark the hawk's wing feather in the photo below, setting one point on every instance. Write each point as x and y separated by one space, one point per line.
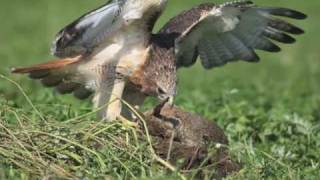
232 32
178 24
88 31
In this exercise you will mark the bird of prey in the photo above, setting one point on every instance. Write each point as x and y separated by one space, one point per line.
112 53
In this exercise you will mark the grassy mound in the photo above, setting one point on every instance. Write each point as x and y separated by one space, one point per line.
81 148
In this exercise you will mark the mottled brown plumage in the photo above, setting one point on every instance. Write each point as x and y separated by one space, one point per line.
184 20
157 76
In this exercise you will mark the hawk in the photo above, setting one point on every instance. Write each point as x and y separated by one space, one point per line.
112 53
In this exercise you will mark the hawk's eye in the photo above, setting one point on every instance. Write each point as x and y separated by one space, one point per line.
161 91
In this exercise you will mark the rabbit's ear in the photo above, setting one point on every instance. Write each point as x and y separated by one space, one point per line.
157 111
158 108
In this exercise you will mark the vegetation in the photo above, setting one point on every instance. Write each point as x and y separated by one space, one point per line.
270 111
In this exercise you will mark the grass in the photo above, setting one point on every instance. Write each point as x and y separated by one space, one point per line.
270 111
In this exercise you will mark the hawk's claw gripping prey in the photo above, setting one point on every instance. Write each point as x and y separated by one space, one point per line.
128 123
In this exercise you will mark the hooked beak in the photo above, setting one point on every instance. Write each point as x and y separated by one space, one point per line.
170 100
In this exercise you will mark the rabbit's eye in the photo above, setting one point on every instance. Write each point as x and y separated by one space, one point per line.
175 121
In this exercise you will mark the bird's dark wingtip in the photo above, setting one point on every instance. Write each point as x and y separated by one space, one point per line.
297 31
286 12
297 14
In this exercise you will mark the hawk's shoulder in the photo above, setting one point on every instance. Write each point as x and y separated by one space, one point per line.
184 20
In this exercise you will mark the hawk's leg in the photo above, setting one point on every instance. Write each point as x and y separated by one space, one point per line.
108 99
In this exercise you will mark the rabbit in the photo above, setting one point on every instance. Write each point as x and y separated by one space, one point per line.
178 134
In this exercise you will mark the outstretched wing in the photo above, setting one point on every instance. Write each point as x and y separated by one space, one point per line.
231 32
88 31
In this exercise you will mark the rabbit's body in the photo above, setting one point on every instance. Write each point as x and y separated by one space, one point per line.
181 135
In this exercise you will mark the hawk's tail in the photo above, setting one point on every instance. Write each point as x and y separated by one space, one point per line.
56 73
48 66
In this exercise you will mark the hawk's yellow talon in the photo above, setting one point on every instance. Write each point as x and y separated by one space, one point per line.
127 122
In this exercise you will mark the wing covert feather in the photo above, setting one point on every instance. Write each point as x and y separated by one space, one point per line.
232 32
88 31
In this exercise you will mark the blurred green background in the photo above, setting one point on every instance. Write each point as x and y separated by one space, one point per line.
273 105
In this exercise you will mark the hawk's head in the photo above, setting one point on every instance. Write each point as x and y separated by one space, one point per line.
158 76
160 84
